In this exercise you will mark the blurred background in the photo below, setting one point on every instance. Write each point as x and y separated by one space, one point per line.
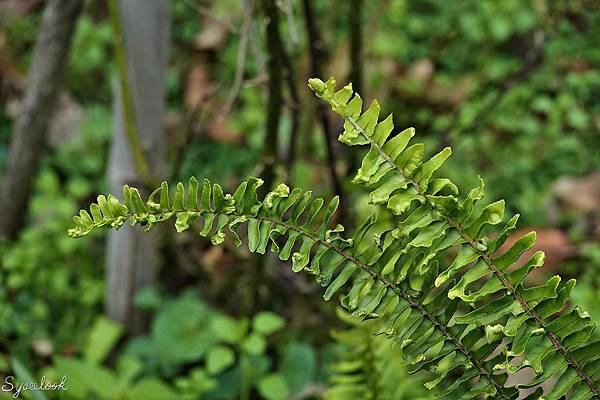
95 94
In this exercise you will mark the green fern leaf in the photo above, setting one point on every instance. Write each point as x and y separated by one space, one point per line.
490 288
299 227
471 321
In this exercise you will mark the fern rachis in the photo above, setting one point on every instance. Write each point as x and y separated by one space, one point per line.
109 211
511 290
441 324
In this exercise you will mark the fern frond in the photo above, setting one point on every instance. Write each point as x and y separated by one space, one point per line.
471 322
369 366
299 227
526 323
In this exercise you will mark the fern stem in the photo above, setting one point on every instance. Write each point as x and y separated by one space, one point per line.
507 284
356 51
401 294
275 91
126 97
317 53
415 305
373 377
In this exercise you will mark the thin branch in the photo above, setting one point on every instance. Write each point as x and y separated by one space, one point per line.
129 117
205 12
354 17
275 92
248 8
191 129
294 106
292 28
260 79
316 55
356 52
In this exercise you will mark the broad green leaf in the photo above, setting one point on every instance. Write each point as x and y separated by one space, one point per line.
273 387
254 344
219 358
101 339
267 323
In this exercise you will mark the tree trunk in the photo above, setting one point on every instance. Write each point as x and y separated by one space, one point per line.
132 255
30 130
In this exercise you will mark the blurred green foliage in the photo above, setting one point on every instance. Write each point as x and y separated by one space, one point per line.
549 117
369 365
200 352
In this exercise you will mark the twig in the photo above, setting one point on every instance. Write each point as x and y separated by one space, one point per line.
275 93
292 28
355 26
205 12
356 64
191 128
248 7
316 55
129 118
258 80
294 106
256 50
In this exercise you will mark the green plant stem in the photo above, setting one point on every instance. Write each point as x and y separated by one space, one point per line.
373 378
245 381
356 53
275 91
129 116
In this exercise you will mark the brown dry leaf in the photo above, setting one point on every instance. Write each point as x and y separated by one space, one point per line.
580 194
417 83
421 70
196 86
16 8
211 256
220 131
211 37
580 66
450 95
